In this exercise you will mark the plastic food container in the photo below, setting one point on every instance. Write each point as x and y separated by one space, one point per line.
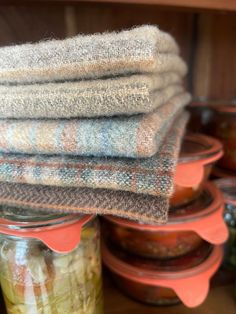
223 127
228 187
198 155
185 231
50 263
170 283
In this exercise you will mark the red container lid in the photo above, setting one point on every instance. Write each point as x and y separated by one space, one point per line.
59 232
203 216
191 284
197 151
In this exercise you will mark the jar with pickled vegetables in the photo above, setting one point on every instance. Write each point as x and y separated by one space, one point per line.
50 264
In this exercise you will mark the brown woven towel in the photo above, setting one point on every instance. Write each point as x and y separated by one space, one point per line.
139 50
141 207
107 97
152 175
135 136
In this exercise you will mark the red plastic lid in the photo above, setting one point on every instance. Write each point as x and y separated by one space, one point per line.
60 232
190 285
204 216
228 188
197 151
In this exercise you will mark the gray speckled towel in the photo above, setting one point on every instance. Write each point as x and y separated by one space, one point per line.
105 97
143 49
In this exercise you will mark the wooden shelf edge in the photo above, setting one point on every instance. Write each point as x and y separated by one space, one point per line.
223 5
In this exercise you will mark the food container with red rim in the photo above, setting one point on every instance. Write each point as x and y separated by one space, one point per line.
228 187
223 127
187 228
167 284
198 155
50 263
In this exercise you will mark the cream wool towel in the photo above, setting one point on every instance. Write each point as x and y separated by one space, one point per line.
135 136
107 97
142 49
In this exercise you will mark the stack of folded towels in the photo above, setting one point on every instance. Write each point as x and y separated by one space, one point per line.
92 123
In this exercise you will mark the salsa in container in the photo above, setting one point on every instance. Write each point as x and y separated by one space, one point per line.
184 279
50 263
228 187
223 127
198 154
187 228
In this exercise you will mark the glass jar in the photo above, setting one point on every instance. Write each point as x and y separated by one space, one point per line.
50 263
167 282
200 116
228 187
198 155
223 127
187 228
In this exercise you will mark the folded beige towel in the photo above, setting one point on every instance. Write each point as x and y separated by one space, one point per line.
106 97
140 50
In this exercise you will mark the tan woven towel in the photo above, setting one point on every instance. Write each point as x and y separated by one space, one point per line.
152 175
141 207
136 136
139 50
107 97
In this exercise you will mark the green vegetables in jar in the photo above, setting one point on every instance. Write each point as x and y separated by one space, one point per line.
36 280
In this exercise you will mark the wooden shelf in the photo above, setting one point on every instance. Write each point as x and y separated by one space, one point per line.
224 5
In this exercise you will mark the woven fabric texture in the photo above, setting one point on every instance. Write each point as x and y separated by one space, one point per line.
139 50
140 207
106 97
152 175
134 136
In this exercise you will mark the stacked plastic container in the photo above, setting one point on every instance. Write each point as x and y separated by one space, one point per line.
166 264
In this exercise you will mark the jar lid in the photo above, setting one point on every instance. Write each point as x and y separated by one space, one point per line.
203 216
59 232
182 282
197 151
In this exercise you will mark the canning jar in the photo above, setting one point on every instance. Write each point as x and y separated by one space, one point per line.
228 187
198 155
223 127
187 228
184 279
50 263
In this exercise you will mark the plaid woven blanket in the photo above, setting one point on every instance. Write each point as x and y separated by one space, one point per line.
152 175
106 97
134 136
140 50
129 205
